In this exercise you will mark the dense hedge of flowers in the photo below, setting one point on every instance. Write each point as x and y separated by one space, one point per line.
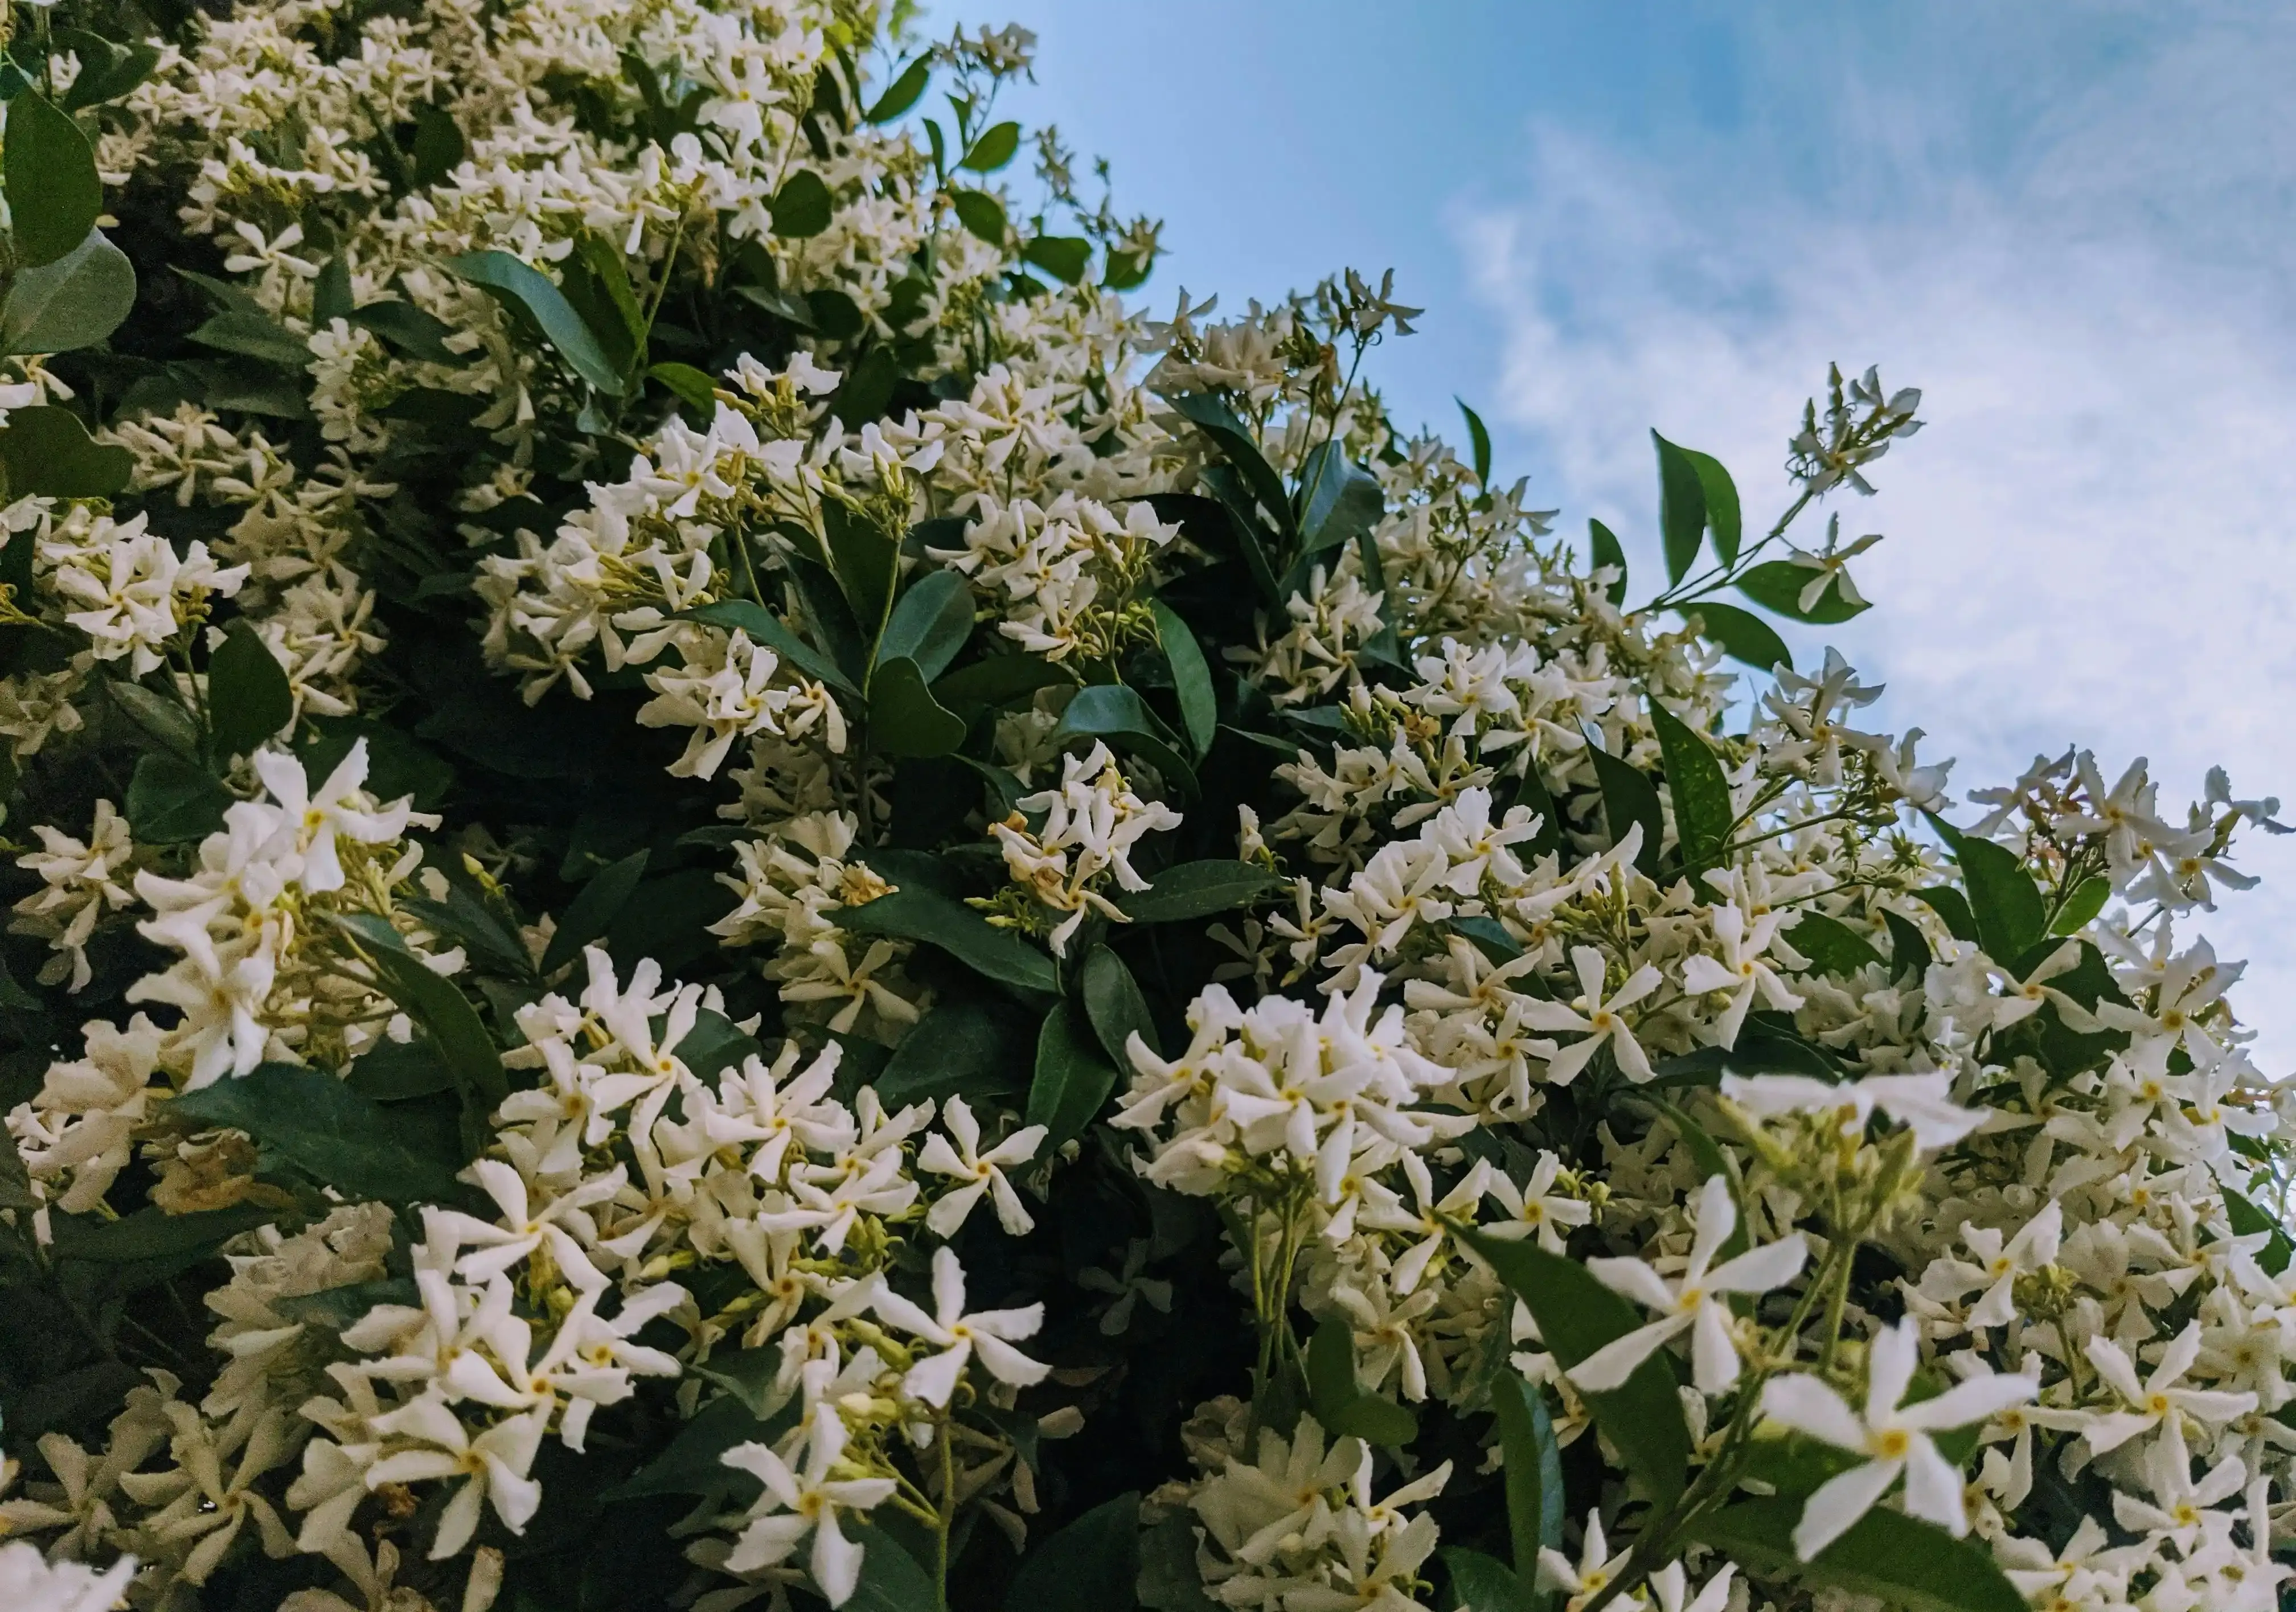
727 892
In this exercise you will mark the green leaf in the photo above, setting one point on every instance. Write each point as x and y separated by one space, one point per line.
1681 507
1065 258
1197 889
890 1581
1169 1579
2248 1220
981 213
256 336
330 293
107 71
1745 636
1953 906
1126 270
1628 799
54 193
1703 814
1832 947
1344 501
1577 1315
691 386
763 627
1605 550
802 207
903 718
917 913
865 563
399 1071
902 92
437 1004
1479 437
152 1234
1533 1463
1217 422
1072 1078
417 334
1191 677
1339 1401
930 624
997 680
47 451
593 909
1885 1554
972 1047
249 699
520 285
1723 518
1489 937
171 801
1908 951
164 719
2011 918
323 1128
1777 585
1114 712
73 302
1112 1002
2087 901
993 150
439 146
693 1462
1090 1566
1484 1583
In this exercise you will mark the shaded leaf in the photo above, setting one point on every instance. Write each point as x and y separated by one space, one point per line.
1629 798
993 150
171 800
916 914
1723 518
323 1128
1703 814
694 387
1090 1566
1533 1464
2006 905
1479 437
1072 1078
47 451
1681 507
1832 947
1885 1554
981 213
1191 677
249 700
593 909
997 680
1343 500
520 285
1112 1002
902 92
1197 889
256 336
54 193
1065 258
903 718
802 207
1339 1401
1777 585
1217 422
930 623
1745 636
437 1005
2087 901
1604 552
763 627
972 1047
74 302
1114 712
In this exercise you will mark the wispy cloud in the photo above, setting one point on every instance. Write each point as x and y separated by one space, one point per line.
2094 542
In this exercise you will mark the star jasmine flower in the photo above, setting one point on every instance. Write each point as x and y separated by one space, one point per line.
1597 1018
959 1336
800 1502
1922 1103
980 1172
2155 1399
1743 971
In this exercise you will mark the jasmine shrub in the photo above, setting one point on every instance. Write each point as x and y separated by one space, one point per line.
727 892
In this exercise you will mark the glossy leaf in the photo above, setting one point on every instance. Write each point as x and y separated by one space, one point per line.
981 213
802 207
520 285
972 1047
593 909
1533 1464
418 334
1745 636
1953 906
1832 947
993 149
154 1234
1605 551
866 563
1909 953
997 680
163 718
930 623
903 718
171 800
1723 518
1090 1566
323 1128
71 303
1703 814
1885 1554
763 626
1577 1315
1629 798
1191 677
249 699
439 1006
1343 500
693 387
54 193
2012 918
256 336
1114 1003
902 92
1484 1583
914 914
1479 437
107 70
1778 584
1117 714
1681 507
1073 1078
2082 906
47 451
1339 1401
1217 422
1197 889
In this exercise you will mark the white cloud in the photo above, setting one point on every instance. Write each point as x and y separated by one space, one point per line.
2091 543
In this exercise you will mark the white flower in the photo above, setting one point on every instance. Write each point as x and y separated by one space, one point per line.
496 1463
796 1503
1592 1573
958 1337
1696 1302
28 1582
1597 1017
1742 972
2156 1398
1922 1102
1894 1438
981 1172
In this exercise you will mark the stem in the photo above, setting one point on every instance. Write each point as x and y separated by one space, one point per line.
947 1513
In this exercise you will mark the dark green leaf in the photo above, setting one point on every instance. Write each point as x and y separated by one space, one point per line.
1126 270
1072 1079
1338 1400
1703 814
520 285
972 1047
1489 937
1479 437
1681 507
1885 1554
903 718
2248 1220
1112 1002
1745 636
593 909
930 623
170 800
751 1376
323 1128
1114 712
715 1044
164 719
993 150
1577 1315
437 1005
1191 677
835 316
1217 422
1721 495
1197 889
1953 906
73 302
1628 799
1832 947
1602 544
1777 585
154 1234
255 336
1065 258
693 1464
47 451
892 1581
54 193
439 147
399 1071
997 680
1169 1580
249 700
1533 1463
1090 1566
917 913
763 627
1343 500
330 293
802 207
981 213
865 561
1908 951
693 387
2087 901
417 334
2012 918
1484 1583
902 92
107 71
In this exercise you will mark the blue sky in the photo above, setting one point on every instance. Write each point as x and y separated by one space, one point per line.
2074 226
